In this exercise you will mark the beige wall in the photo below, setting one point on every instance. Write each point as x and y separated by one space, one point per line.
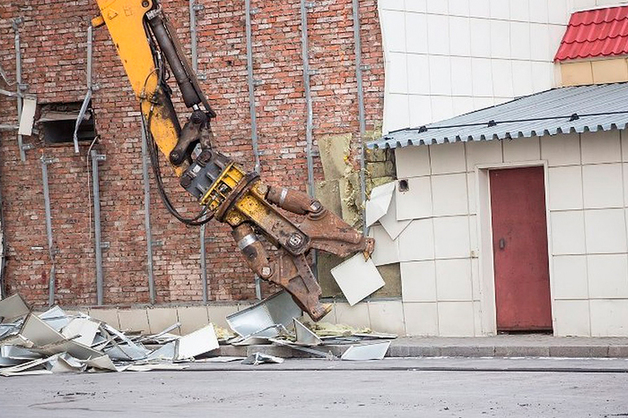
578 73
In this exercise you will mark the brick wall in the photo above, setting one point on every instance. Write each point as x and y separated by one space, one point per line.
54 60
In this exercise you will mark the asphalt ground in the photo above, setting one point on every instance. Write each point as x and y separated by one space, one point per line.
417 387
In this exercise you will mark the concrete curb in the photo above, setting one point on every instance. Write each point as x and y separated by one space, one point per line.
406 350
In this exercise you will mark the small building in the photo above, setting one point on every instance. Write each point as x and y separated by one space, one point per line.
514 217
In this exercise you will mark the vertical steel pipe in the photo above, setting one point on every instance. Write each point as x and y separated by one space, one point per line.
147 227
252 109
88 95
204 265
251 82
305 49
193 39
18 83
97 231
361 112
51 250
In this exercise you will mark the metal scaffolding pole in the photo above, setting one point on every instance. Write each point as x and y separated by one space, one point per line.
361 112
88 95
305 55
18 82
147 227
51 250
251 82
97 231
308 96
252 109
204 265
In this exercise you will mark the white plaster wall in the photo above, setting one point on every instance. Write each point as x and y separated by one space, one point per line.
449 57
444 288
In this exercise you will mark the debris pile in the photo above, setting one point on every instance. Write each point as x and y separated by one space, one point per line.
275 321
56 342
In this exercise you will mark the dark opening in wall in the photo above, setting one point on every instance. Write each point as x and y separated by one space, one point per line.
58 120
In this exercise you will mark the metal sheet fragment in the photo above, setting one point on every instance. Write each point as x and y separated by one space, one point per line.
276 309
259 358
304 335
365 352
198 342
13 307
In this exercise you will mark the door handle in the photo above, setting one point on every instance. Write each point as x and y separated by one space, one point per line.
502 244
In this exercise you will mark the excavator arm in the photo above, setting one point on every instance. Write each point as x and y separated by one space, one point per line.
150 52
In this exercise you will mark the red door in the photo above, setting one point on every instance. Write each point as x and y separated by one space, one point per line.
522 290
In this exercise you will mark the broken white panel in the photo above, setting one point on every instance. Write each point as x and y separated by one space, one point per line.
165 352
12 307
39 332
249 340
304 335
357 278
199 342
56 318
9 329
127 352
157 366
73 348
64 363
37 366
219 359
81 330
104 363
389 221
279 308
379 202
259 358
29 105
386 251
366 352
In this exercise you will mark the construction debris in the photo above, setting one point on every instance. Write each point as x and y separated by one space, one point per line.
258 358
58 342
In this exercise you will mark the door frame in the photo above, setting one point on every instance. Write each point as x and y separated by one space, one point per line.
485 241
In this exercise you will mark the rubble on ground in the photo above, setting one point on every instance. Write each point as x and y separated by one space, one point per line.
58 342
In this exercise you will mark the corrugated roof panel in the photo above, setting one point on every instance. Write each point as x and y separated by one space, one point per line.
557 111
595 33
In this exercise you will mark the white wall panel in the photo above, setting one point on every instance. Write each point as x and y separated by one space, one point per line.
608 276
602 186
570 277
453 280
461 77
609 318
448 158
605 231
565 188
568 235
416 33
561 150
412 162
459 36
601 147
455 319
459 7
421 319
419 74
418 281
449 194
519 10
500 9
572 318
